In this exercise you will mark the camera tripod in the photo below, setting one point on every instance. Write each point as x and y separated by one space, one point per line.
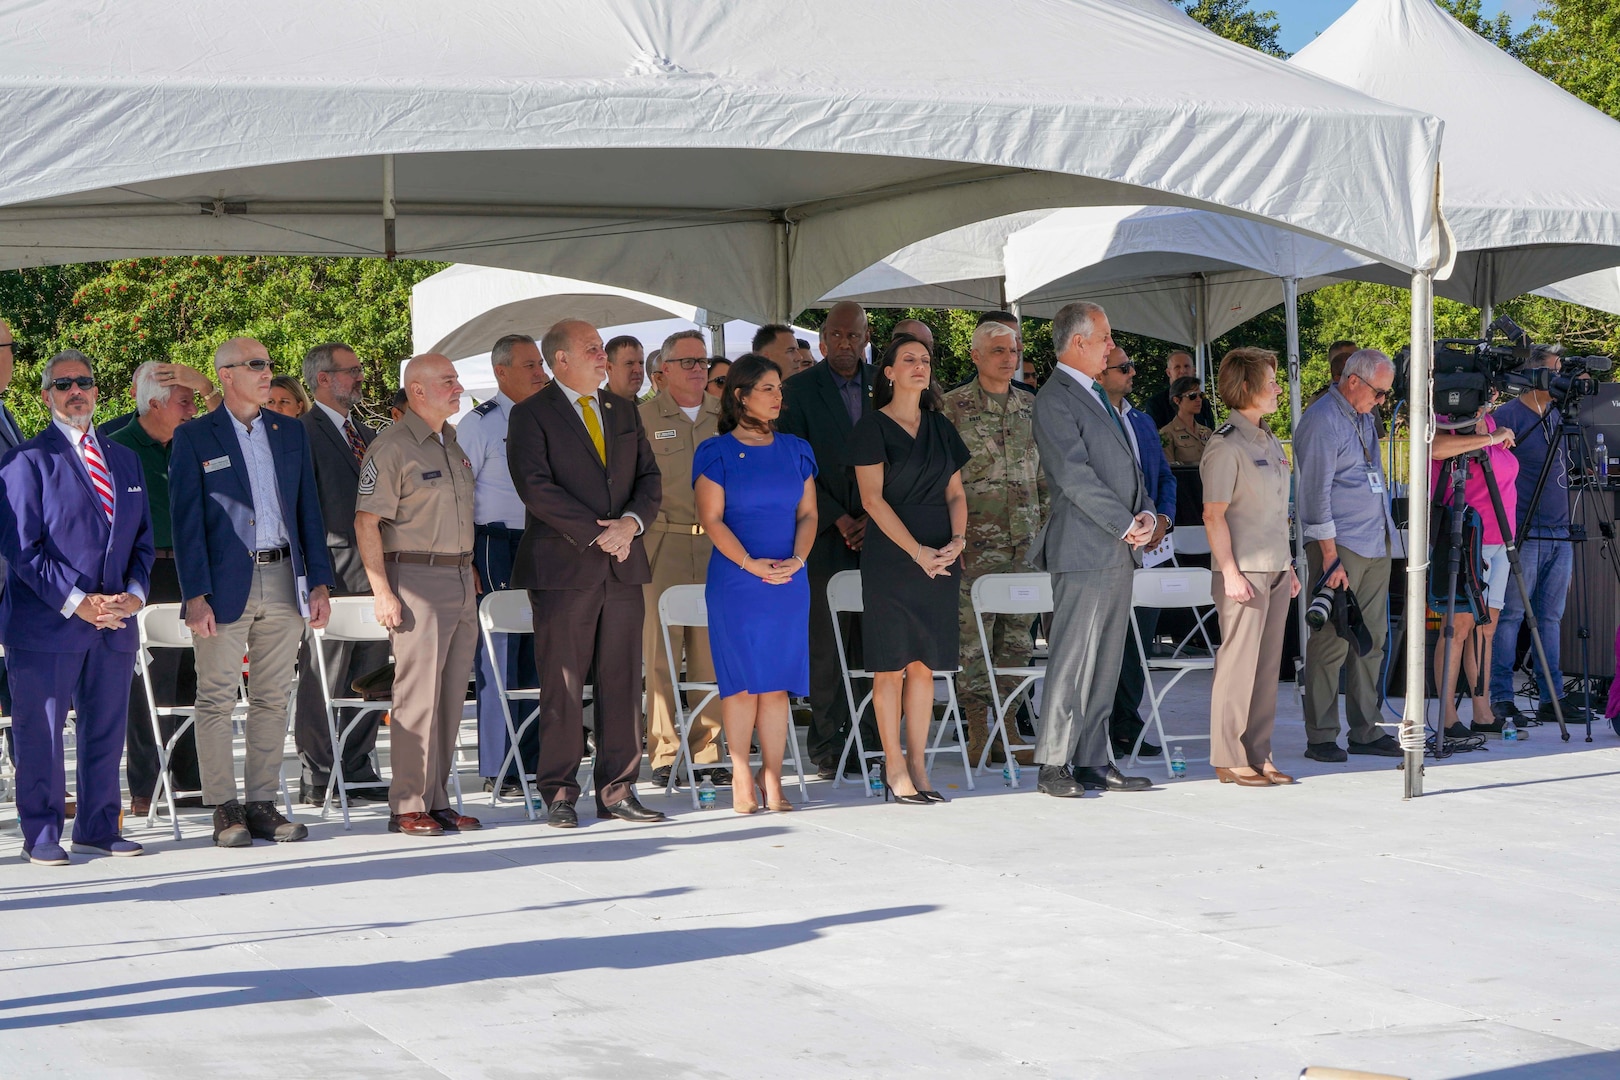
1568 436
1446 678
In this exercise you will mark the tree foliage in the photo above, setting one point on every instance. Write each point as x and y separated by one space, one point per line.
1576 44
1236 21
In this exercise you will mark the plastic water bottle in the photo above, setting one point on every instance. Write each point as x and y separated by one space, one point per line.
706 793
874 778
1510 733
1178 763
1009 773
1602 453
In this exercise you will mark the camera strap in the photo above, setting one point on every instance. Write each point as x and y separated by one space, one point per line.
1321 581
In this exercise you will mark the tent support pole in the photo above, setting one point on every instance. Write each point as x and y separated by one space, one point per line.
1291 315
717 339
1417 528
784 270
1487 310
1200 346
390 248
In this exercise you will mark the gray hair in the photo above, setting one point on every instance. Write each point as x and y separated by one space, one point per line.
655 361
500 353
63 357
683 335
148 389
987 330
321 358
1071 319
1366 363
1540 354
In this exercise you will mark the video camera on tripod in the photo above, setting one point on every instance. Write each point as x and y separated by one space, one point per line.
1468 371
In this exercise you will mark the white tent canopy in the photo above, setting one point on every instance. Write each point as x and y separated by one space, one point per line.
672 149
1530 174
1599 289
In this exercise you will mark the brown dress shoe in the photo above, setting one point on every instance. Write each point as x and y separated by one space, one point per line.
450 821
1274 774
139 806
414 825
1227 776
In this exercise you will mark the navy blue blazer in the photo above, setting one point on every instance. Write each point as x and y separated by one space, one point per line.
55 538
1157 478
212 509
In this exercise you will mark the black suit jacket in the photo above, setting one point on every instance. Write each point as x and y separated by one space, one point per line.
813 410
337 482
566 489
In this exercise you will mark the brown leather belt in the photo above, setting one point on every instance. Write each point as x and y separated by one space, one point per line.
678 530
163 553
428 558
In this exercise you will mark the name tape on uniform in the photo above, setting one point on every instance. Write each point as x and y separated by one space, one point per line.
670 434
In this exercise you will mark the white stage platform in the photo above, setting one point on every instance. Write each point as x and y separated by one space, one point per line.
1198 930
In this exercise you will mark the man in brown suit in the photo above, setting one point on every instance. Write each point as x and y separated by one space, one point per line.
677 419
585 471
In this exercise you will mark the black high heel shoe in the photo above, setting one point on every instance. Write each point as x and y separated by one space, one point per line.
919 799
932 796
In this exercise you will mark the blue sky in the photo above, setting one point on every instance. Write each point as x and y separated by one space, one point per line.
1302 20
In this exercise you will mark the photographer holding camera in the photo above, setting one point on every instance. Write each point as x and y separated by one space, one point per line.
1344 517
1545 554
1470 641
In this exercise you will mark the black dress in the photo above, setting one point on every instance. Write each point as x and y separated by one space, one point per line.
909 616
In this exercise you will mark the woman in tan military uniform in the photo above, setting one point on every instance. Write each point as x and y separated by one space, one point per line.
1245 475
1184 438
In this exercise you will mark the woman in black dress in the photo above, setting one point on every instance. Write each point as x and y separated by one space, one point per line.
907 459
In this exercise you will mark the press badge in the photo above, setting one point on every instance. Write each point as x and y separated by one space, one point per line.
216 464
1375 482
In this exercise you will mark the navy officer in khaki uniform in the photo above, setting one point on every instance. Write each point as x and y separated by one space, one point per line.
1245 475
413 524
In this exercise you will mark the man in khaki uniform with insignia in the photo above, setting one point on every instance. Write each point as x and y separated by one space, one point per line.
413 523
1006 498
679 417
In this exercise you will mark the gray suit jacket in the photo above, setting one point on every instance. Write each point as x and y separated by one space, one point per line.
337 482
1094 479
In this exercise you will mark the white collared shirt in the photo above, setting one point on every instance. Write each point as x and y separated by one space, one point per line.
596 404
75 439
338 419
482 436
269 529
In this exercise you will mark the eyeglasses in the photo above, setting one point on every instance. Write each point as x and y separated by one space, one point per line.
1129 365
1192 396
688 363
83 382
356 370
6 344
718 380
257 364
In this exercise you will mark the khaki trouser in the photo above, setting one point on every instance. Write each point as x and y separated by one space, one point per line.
1243 697
433 658
1326 652
268 632
677 559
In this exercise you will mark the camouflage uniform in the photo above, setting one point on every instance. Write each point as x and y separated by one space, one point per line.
1006 501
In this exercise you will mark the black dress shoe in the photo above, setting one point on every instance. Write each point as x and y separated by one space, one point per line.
660 775
1123 748
561 815
1108 778
1330 752
1383 746
510 789
629 809
1059 782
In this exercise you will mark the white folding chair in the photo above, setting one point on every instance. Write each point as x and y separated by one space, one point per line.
1172 587
354 618
508 611
844 596
683 606
1009 594
1192 540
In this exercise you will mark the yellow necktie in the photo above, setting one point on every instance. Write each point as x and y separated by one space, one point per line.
594 426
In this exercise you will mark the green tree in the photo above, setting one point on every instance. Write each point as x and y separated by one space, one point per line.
1576 44
1236 21
1498 31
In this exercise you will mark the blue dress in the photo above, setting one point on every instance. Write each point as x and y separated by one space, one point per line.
759 634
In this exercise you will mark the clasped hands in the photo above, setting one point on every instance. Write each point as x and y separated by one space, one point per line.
616 536
937 561
1143 527
773 571
107 611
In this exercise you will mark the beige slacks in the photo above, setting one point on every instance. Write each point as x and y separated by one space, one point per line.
1243 699
268 632
677 560
433 658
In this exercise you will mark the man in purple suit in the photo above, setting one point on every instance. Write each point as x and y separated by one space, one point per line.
75 531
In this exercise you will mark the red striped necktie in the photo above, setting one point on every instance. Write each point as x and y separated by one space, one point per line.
356 444
100 477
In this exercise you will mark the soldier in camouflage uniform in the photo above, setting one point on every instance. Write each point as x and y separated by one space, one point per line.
1006 497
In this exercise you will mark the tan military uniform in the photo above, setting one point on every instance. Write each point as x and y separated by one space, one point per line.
1006 501
679 553
1183 447
422 489
1244 466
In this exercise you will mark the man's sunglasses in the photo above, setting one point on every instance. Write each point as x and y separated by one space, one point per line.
256 364
83 382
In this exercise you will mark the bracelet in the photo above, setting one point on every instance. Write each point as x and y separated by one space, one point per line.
917 557
744 564
802 563
958 536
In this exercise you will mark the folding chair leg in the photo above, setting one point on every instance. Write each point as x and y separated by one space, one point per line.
798 762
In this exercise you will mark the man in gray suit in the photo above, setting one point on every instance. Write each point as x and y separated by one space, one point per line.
1100 518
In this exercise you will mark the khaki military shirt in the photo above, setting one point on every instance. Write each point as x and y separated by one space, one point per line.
1183 447
674 438
1005 487
422 489
1244 466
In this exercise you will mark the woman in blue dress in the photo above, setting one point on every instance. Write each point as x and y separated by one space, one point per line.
756 499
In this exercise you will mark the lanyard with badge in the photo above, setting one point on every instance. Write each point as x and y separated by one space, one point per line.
1375 482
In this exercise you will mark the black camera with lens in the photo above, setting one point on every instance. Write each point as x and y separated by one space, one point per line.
1468 372
1321 608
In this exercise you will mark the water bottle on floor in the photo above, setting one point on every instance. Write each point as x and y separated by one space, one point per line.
1178 763
1510 732
1009 773
706 793
875 777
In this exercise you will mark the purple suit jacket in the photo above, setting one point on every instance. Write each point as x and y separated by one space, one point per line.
56 538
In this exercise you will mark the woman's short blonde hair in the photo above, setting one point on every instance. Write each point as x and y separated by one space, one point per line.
1244 376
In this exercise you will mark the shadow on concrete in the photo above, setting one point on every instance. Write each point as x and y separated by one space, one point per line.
1604 1065
506 960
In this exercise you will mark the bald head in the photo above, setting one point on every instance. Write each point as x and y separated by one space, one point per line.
917 329
844 337
431 388
573 350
